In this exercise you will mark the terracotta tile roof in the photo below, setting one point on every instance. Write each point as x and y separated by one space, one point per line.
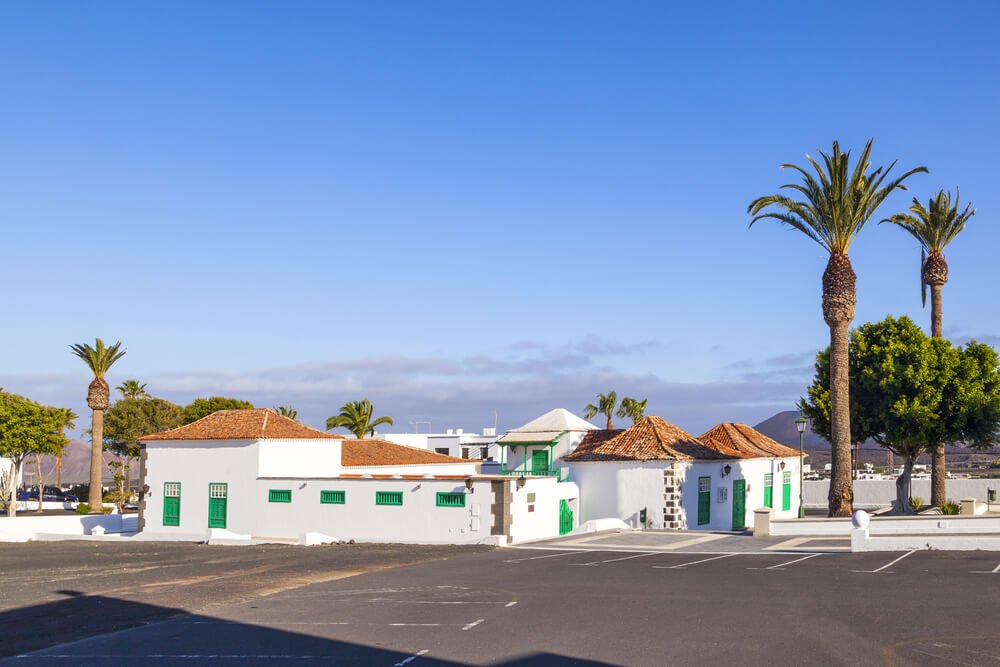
385 453
252 424
649 439
744 442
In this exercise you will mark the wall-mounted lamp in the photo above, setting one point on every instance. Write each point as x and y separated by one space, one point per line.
782 465
521 481
726 470
468 484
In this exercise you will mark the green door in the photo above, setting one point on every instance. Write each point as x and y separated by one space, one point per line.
217 497
769 490
739 504
171 503
565 518
786 490
539 462
704 500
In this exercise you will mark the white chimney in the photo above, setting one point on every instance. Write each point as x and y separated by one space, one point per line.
449 431
490 431
459 431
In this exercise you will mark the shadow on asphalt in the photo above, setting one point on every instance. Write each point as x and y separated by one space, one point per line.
47 630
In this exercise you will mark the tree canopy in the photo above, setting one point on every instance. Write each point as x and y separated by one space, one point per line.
632 408
202 407
29 428
129 419
358 417
606 404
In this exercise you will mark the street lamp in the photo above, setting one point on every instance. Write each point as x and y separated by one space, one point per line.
800 426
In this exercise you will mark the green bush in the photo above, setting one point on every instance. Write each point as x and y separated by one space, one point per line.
951 507
82 508
916 502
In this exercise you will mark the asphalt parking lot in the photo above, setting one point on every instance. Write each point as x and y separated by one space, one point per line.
561 604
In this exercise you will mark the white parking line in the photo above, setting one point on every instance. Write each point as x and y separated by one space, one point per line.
473 624
406 661
704 560
615 560
782 565
561 553
995 570
892 562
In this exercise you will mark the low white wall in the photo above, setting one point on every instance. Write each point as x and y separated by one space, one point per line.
298 458
23 528
875 493
890 525
539 518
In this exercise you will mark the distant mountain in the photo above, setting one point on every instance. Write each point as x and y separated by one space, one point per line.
76 465
781 427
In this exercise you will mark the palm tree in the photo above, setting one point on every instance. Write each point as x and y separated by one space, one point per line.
132 389
356 417
836 204
99 360
68 418
287 411
934 227
605 406
633 409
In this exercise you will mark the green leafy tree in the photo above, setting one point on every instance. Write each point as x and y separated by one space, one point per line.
911 391
26 428
202 407
287 411
358 418
132 389
129 419
632 408
833 207
935 226
606 404
99 360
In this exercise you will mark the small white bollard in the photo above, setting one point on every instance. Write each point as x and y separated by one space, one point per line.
762 522
859 530
860 519
97 530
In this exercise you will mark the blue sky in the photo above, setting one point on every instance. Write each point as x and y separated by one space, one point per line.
453 208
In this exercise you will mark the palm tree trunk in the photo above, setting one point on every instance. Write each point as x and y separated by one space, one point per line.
610 425
96 498
41 484
839 300
938 473
841 496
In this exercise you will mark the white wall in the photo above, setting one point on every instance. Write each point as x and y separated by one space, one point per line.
454 443
298 458
620 489
469 468
875 493
540 519
566 444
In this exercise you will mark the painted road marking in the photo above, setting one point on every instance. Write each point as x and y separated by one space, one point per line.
511 603
802 544
782 565
406 661
561 553
473 624
704 560
892 562
615 560
995 570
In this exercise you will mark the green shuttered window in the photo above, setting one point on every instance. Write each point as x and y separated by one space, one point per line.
388 497
786 490
451 499
279 496
704 500
171 503
333 497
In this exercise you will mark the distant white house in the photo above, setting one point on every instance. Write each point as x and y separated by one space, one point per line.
537 448
257 475
656 475
453 442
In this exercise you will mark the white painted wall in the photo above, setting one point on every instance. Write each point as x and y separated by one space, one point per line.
751 470
30 527
514 454
540 519
453 442
875 493
298 458
620 489
463 468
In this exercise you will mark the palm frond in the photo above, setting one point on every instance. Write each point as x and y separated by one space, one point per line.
99 358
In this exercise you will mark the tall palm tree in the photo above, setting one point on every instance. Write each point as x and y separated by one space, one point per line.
835 205
605 406
934 227
287 411
632 408
99 360
68 420
358 418
132 389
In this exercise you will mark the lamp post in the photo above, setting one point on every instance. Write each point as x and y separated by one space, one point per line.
800 426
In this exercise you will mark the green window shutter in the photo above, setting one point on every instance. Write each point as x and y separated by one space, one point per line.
769 490
704 500
279 496
786 490
171 503
388 497
451 499
333 497
218 494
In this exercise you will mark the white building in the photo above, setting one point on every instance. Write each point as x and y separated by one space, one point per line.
453 442
257 475
656 475
537 448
